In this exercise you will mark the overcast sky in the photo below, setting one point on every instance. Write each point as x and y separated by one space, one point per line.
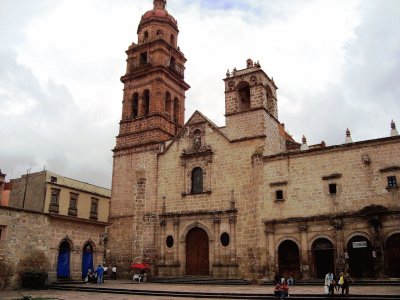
336 63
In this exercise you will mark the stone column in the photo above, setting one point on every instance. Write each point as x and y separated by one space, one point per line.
232 230
304 259
217 244
377 246
270 246
163 224
340 261
176 223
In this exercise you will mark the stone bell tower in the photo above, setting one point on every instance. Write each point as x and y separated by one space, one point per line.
251 109
152 112
154 85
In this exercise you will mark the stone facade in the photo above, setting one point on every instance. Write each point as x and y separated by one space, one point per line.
53 213
244 200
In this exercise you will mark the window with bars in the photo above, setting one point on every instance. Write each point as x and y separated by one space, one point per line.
73 204
94 208
392 182
54 201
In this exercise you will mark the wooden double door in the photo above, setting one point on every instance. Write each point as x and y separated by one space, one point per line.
197 252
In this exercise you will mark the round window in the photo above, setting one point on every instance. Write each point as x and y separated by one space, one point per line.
225 239
170 241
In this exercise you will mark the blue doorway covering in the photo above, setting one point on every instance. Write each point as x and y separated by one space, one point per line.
63 261
87 260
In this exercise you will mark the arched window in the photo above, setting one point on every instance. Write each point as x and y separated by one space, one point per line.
176 110
160 33
145 36
244 95
172 40
197 180
168 104
135 105
146 102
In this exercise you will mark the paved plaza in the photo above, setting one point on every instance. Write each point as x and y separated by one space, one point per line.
239 289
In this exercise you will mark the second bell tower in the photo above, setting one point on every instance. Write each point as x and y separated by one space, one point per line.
154 85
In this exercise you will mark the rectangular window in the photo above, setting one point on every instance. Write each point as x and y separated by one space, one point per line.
332 188
279 195
93 208
55 195
392 182
143 58
1 231
73 204
53 179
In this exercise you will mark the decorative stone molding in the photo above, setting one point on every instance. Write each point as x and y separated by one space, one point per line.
332 176
390 169
280 183
303 227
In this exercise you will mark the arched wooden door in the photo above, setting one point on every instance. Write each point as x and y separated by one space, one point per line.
63 261
289 259
197 252
323 257
360 257
393 255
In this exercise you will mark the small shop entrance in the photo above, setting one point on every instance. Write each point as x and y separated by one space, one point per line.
197 252
289 259
323 257
393 255
360 257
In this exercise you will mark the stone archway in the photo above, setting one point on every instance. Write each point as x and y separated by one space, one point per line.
393 255
63 261
197 252
360 257
87 259
323 257
289 259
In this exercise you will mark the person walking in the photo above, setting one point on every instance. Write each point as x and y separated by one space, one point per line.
100 272
328 283
114 272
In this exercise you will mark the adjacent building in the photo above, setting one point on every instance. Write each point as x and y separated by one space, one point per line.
244 200
64 217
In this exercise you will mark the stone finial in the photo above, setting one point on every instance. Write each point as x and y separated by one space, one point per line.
394 131
304 145
250 63
159 4
228 73
348 137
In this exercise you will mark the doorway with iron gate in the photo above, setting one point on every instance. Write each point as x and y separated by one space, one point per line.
323 257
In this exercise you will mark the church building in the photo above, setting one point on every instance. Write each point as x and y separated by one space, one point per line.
244 200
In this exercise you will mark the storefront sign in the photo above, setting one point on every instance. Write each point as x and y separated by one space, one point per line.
362 244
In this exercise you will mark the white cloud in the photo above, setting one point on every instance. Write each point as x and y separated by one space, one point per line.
336 63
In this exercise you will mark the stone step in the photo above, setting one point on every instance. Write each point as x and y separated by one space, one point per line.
214 295
359 281
200 280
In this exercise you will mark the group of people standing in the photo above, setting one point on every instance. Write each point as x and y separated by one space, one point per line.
282 285
333 283
97 276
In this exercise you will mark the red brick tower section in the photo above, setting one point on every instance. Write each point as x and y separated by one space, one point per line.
152 112
154 86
